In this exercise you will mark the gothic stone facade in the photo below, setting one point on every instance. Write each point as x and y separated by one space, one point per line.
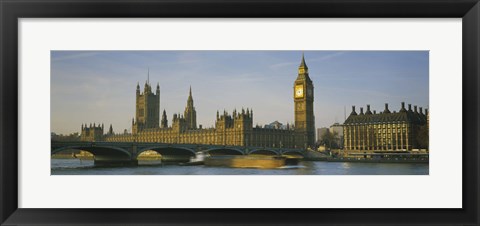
91 133
386 131
147 110
230 129
303 99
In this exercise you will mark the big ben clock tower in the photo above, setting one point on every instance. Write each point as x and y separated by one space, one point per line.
303 103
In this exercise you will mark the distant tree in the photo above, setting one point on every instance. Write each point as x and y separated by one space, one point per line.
60 137
330 140
422 137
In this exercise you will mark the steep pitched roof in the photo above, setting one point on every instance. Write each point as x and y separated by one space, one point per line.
404 116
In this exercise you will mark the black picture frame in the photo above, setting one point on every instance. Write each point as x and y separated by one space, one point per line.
11 11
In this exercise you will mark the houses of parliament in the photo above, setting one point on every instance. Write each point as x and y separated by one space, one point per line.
235 129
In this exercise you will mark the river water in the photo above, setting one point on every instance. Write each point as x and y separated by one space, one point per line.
86 167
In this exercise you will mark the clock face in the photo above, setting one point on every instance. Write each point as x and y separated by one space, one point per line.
298 91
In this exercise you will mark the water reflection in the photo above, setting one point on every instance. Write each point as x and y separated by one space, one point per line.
86 167
346 165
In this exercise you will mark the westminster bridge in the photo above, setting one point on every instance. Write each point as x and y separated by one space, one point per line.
126 153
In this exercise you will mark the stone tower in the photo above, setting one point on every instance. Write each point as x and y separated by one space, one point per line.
190 113
164 123
303 104
147 109
243 124
92 133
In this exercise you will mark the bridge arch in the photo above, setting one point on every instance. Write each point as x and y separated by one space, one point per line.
224 151
291 152
166 150
97 151
264 151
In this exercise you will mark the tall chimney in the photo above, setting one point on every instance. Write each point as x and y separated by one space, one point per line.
368 110
386 108
415 108
374 112
361 111
409 107
403 108
421 111
353 111
426 111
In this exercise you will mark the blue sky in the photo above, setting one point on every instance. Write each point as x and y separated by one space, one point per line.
99 86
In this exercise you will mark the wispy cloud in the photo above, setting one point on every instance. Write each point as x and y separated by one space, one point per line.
70 56
309 60
326 57
282 65
239 78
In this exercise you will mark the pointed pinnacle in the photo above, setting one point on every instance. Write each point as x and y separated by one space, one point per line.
303 64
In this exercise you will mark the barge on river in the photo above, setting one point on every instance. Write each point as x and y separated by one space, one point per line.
252 161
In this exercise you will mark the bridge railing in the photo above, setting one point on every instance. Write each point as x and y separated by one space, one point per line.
189 145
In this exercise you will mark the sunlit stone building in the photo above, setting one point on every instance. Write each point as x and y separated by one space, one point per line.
91 132
384 131
234 129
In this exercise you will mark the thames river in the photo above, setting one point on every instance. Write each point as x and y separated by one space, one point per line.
85 167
